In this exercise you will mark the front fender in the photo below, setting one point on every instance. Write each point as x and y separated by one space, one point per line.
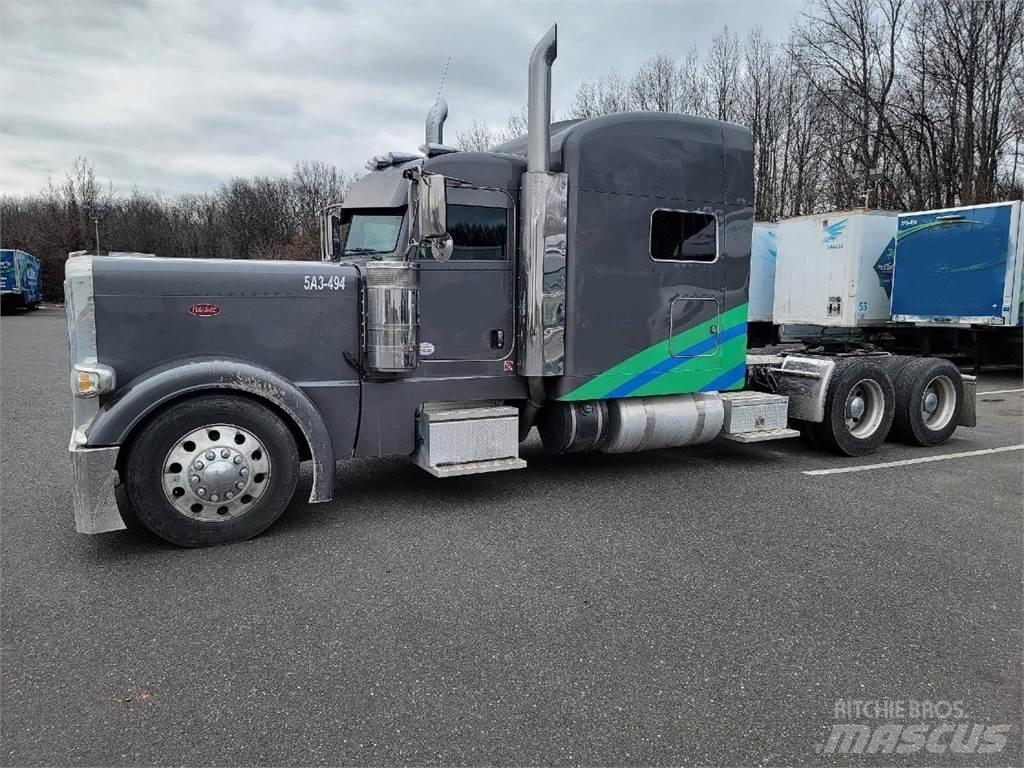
144 394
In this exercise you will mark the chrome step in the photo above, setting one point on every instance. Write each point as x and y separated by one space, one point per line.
761 436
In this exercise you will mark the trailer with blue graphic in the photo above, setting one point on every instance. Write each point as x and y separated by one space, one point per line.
20 284
960 266
763 254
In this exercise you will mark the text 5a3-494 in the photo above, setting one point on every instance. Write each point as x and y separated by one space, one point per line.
323 282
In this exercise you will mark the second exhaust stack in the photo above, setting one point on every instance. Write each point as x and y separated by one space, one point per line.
541 328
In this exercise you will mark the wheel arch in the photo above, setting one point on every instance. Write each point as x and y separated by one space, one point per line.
120 419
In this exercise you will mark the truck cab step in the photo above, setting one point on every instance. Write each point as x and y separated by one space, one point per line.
466 439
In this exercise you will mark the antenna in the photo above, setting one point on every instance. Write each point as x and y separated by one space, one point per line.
444 76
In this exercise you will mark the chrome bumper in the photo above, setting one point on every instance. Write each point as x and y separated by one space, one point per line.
95 478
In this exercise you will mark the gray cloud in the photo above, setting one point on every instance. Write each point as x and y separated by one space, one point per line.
179 94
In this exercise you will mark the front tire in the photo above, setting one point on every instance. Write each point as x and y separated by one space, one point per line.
859 408
211 470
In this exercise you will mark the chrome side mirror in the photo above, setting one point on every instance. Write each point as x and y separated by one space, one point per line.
329 221
441 247
433 206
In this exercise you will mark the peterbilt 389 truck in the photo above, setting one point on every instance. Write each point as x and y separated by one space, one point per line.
589 279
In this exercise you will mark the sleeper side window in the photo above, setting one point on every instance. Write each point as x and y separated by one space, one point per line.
684 236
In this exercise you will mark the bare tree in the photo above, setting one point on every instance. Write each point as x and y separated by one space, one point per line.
722 71
655 86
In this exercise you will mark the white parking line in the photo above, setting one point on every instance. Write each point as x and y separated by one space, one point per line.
1001 391
922 460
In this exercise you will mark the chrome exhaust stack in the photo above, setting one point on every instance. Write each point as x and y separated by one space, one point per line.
435 122
541 328
538 146
434 134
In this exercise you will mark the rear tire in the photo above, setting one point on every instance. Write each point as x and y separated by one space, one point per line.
211 470
929 398
859 408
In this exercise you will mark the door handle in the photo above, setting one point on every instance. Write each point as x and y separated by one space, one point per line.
497 339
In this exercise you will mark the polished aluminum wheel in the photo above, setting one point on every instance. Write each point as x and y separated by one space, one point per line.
865 408
216 472
938 403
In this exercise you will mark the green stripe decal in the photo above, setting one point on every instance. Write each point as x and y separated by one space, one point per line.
697 362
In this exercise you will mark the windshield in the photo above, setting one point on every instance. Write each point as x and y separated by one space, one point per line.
368 232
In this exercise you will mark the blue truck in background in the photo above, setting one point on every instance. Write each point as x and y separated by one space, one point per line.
20 283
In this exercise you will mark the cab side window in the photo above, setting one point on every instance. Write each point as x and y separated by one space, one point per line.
478 233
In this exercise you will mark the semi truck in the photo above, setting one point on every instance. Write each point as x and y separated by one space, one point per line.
589 279
20 285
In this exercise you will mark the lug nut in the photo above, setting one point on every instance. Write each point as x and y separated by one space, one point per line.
194 479
243 471
238 459
225 453
239 485
198 464
210 455
200 491
229 495
214 497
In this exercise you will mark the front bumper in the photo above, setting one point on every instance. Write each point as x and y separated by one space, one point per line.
95 479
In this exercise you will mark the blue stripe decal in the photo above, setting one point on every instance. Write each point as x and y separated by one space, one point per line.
672 363
727 379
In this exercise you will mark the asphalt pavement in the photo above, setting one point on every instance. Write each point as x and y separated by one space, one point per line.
703 606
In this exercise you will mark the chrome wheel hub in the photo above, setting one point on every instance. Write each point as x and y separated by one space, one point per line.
856 407
215 472
938 403
865 408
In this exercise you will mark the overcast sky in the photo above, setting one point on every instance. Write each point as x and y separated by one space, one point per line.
177 95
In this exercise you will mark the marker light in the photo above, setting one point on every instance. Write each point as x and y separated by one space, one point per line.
91 380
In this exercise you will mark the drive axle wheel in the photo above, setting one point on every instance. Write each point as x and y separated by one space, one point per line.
210 470
859 408
929 397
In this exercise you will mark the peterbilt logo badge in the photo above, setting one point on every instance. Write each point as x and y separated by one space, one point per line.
204 310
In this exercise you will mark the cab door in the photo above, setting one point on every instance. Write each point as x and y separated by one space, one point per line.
466 303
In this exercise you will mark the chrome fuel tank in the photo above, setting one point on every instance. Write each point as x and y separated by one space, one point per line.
648 423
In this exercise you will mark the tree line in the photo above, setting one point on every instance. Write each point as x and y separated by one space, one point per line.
257 217
917 103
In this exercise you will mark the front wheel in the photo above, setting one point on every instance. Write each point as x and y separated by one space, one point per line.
211 470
